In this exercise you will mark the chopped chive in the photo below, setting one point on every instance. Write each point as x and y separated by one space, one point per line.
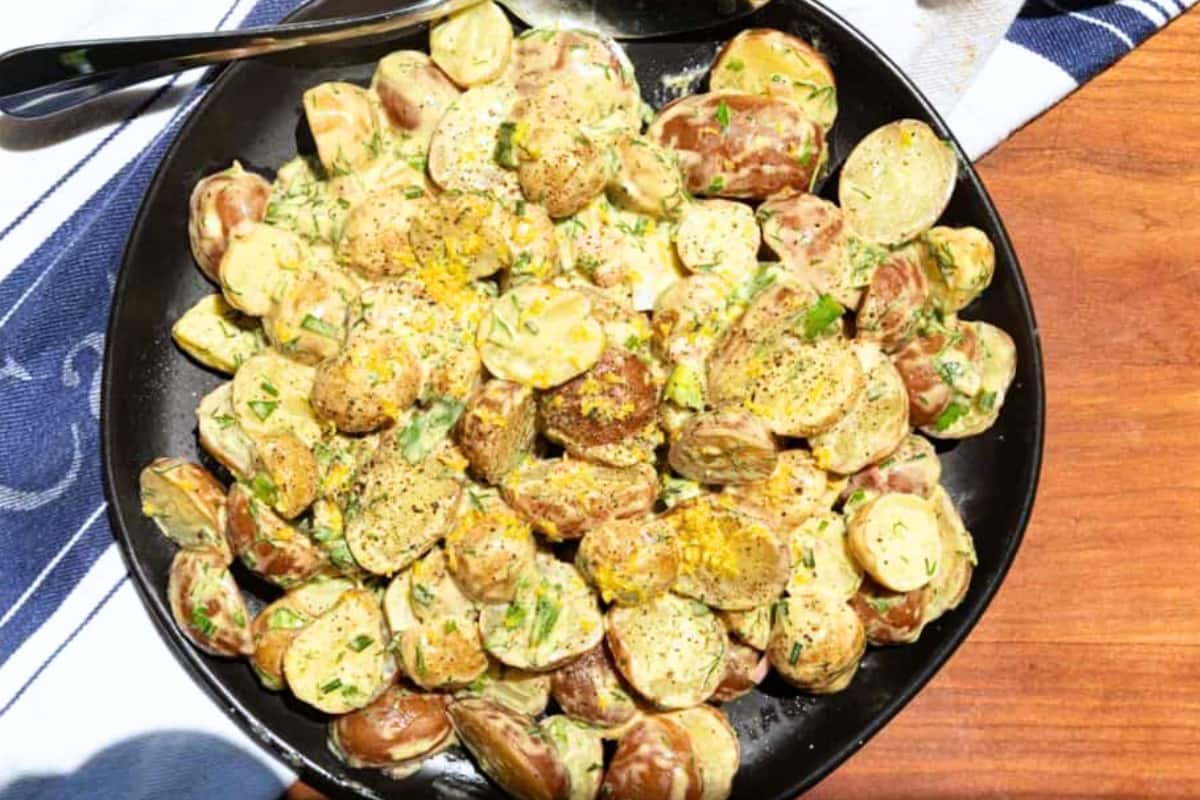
413 192
269 388
319 326
263 408
331 686
360 643
794 656
285 619
953 413
202 623
723 115
820 315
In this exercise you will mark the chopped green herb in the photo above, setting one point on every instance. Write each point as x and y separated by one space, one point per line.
263 409
269 388
239 618
735 65
420 653
794 656
810 559
413 192
930 567
361 642
223 420
545 616
953 413
532 327
514 616
723 115
685 386
716 185
319 326
449 626
987 401
881 605
263 488
331 686
506 151
856 496
202 623
285 619
428 428
422 594
820 315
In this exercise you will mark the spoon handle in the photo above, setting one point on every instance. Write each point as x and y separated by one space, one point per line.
45 79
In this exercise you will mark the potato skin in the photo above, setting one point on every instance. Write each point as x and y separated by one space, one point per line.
560 170
764 146
488 548
510 748
444 652
590 690
368 384
647 179
269 546
793 491
810 237
613 400
548 494
778 64
342 123
413 91
629 560
219 203
727 446
396 727
186 502
745 668
917 363
892 303
207 605
308 321
913 468
292 470
816 642
890 617
498 428
654 761
375 236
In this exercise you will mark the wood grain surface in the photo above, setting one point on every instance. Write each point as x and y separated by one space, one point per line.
1083 679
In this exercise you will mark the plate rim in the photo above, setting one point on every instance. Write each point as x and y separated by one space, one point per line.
322 779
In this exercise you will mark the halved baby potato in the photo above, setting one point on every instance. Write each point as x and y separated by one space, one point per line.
959 264
647 179
654 761
207 605
897 181
258 262
498 428
629 560
289 473
342 121
941 355
523 692
953 577
794 491
186 503
876 422
435 592
340 661
559 168
733 144
414 93
221 436
896 540
463 235
220 203
913 467
488 548
277 624
540 336
816 642
726 446
590 690
511 749
402 508
728 559
472 46
893 303
397 727
553 618
281 553
689 318
745 668
443 652
397 605
611 402
368 384
716 748
375 237
751 625
670 649
582 753
721 237
974 414
270 395
461 154
216 334
821 558
307 320
777 64
565 498
890 617
809 235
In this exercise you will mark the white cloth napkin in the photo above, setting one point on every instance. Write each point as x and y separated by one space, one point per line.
81 667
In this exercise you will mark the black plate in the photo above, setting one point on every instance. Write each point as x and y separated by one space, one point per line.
150 391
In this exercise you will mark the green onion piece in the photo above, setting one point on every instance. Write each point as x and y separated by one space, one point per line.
263 408
820 315
544 618
953 413
360 643
320 327
332 685
202 623
723 115
285 619
506 152
794 656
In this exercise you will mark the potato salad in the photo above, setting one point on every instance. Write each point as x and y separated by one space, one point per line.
553 419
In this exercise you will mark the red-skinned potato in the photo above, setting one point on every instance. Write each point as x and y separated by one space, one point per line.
715 746
186 502
219 203
741 145
629 560
266 544
368 384
488 548
343 126
509 747
207 605
277 624
413 91
547 493
559 169
913 468
809 235
590 690
726 446
613 400
498 428
745 668
398 726
890 617
918 364
892 303
654 761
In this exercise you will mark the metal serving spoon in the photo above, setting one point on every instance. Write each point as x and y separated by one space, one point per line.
45 79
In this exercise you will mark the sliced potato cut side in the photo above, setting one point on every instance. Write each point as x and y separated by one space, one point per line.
340 661
443 652
969 416
553 618
959 264
777 64
821 558
794 491
581 751
564 498
727 446
462 152
221 436
257 265
434 591
398 604
721 237
629 561
715 745
682 675
876 422
270 395
897 182
523 692
216 334
186 502
540 336
896 540
816 642
342 121
953 577
472 46
752 626
207 605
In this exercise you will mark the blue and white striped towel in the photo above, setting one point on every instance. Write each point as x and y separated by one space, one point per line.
82 672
